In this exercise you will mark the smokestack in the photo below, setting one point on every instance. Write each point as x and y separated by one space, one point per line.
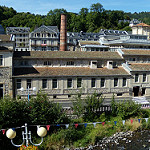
63 33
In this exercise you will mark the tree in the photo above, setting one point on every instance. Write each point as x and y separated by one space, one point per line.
97 8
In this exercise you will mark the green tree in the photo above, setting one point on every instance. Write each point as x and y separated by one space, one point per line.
97 8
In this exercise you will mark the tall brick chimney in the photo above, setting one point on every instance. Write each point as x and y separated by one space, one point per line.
63 33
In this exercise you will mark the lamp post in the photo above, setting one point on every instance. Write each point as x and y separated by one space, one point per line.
26 136
28 91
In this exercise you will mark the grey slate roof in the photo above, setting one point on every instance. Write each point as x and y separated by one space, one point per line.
67 55
68 71
49 29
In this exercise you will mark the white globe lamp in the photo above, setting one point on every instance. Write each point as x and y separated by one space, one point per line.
10 133
41 131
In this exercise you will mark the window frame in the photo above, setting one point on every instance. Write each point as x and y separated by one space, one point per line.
144 77
136 79
69 83
79 82
93 82
116 82
124 82
18 83
54 83
103 83
44 83
29 83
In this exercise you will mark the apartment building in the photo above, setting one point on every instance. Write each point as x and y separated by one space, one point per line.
44 38
21 37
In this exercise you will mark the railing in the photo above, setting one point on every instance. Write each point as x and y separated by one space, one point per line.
43 45
105 108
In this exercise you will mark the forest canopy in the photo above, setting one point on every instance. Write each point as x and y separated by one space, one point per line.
87 20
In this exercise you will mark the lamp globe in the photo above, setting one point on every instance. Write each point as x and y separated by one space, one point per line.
10 133
41 131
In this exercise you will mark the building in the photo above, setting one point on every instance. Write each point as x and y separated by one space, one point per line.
129 41
63 74
92 46
44 38
6 59
141 29
21 37
138 64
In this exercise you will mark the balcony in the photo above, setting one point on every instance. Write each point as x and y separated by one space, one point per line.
98 90
44 45
120 90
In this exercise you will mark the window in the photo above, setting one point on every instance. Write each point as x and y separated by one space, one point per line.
114 64
54 83
1 60
136 77
69 83
124 82
93 82
23 63
28 83
144 77
79 82
47 63
18 83
43 48
44 83
115 82
70 63
132 59
102 82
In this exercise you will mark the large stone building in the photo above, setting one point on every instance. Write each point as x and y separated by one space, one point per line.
6 55
63 74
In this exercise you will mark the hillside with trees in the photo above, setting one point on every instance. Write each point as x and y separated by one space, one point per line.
88 19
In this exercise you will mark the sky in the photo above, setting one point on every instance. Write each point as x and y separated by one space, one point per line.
44 6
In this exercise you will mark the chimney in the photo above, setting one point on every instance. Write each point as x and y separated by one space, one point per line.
63 33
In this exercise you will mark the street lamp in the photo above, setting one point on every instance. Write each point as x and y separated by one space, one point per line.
28 91
26 136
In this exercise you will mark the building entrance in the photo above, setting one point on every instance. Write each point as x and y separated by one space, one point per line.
136 90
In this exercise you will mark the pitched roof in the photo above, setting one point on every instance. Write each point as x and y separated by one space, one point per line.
67 55
50 29
136 52
140 66
81 42
4 37
68 71
141 24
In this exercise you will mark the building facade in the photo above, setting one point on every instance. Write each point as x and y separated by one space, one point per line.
44 38
64 74
6 56
21 37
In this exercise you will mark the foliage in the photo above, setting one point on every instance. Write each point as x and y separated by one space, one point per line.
43 111
88 107
78 105
125 109
92 104
39 110
85 20
30 147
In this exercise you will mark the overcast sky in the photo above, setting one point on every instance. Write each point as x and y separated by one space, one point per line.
43 6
